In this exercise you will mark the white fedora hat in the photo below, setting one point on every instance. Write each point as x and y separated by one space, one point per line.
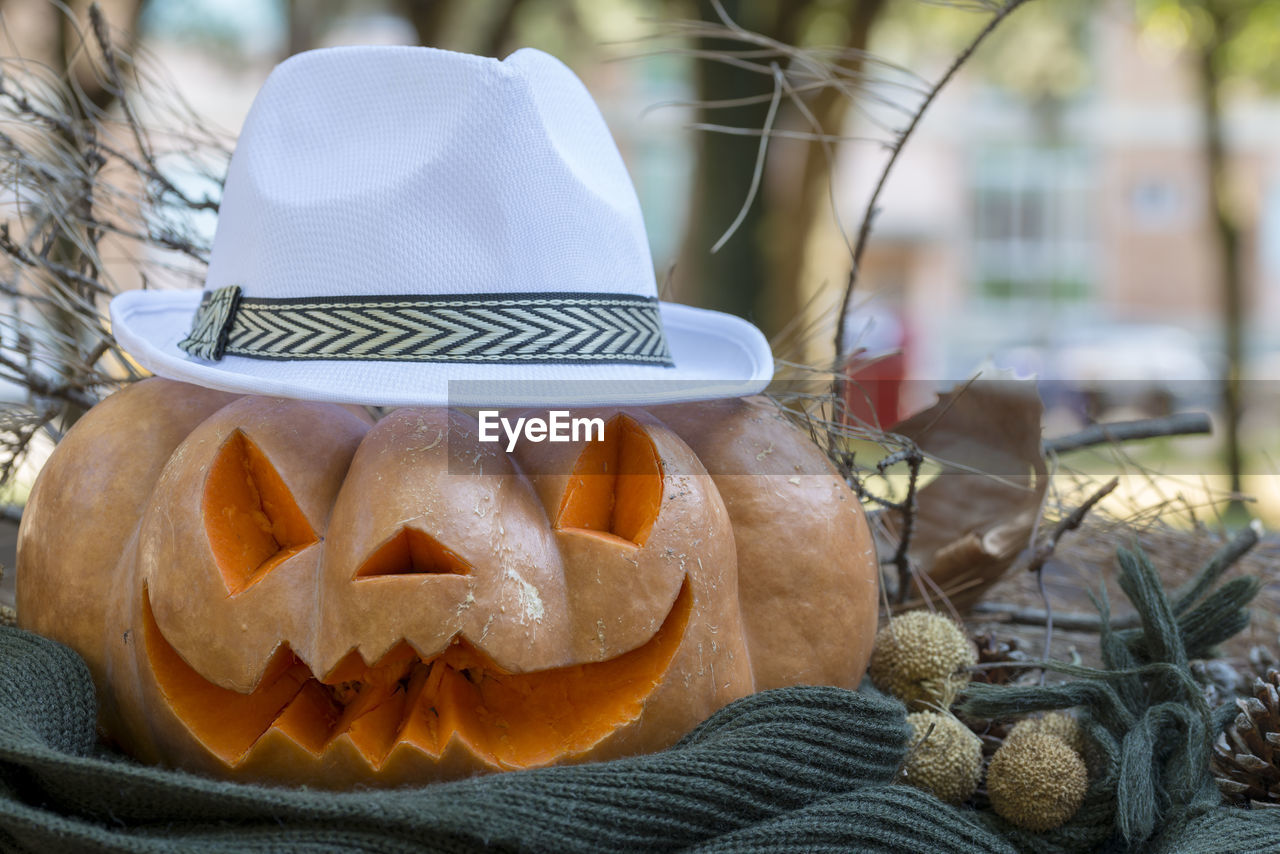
409 226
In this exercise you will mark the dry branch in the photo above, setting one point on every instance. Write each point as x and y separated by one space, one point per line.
1071 522
92 198
914 459
1178 424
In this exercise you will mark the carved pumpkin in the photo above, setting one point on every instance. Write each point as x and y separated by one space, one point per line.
282 590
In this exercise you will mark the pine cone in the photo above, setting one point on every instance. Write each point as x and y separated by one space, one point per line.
1262 660
1246 756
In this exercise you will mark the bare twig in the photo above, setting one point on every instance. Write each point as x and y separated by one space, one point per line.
1178 424
1048 617
84 186
1041 554
17 253
914 459
868 218
41 387
758 172
1070 621
1036 560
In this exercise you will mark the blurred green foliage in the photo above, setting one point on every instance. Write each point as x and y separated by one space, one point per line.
1244 35
1042 51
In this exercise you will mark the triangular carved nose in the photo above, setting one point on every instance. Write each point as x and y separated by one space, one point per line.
411 552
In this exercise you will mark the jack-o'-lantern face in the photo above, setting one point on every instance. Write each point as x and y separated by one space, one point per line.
285 591
366 600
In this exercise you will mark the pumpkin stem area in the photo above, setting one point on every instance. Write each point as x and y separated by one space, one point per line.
616 484
403 701
251 519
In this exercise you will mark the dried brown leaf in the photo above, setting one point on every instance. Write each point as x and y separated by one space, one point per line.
977 515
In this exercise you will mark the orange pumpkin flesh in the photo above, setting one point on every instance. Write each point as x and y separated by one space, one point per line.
254 524
616 485
303 596
510 720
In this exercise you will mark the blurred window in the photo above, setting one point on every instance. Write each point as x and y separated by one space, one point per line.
1156 204
1033 236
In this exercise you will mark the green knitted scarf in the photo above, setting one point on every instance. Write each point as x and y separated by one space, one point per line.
793 770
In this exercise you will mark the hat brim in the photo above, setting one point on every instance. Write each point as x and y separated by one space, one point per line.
716 355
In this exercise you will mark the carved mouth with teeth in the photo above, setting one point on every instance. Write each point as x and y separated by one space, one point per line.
355 611
405 701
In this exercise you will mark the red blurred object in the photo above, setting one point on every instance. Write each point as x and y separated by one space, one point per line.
876 371
873 393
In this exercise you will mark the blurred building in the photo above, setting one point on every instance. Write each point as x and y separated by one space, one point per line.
1072 237
1065 236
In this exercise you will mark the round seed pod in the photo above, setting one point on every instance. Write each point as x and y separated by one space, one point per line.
921 658
945 757
1061 724
1036 781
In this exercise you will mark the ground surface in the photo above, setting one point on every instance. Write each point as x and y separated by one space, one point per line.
1087 562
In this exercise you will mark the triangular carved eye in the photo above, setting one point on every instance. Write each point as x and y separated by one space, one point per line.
252 522
411 552
616 485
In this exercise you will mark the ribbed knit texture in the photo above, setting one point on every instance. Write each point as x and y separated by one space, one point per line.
874 818
800 769
1224 831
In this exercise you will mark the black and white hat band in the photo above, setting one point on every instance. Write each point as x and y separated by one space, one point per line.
495 328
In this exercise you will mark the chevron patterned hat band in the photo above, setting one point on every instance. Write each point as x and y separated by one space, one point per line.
477 328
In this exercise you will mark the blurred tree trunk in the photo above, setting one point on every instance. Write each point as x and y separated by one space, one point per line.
795 214
302 17
427 17
430 19
757 273
499 34
1210 58
735 278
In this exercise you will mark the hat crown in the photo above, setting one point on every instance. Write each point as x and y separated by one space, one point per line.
402 170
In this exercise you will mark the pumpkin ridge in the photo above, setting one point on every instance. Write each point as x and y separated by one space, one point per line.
681 575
